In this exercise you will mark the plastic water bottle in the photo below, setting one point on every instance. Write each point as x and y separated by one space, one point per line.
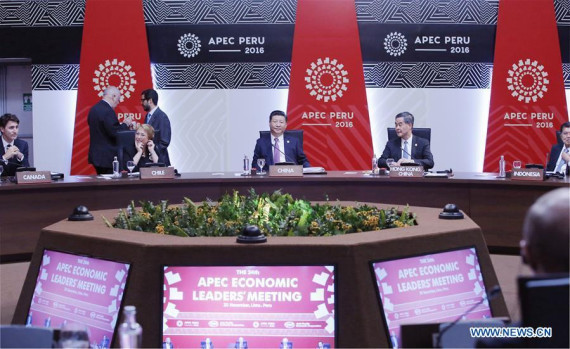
130 332
246 169
116 173
374 164
502 173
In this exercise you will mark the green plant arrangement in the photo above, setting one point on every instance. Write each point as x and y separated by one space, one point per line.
275 214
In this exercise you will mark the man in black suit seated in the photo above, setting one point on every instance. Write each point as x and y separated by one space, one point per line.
407 148
14 151
279 147
103 128
159 121
560 153
545 248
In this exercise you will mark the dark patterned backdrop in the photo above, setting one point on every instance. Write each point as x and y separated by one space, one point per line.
24 19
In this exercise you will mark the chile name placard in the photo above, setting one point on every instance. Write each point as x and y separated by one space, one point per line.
327 96
114 52
249 306
528 103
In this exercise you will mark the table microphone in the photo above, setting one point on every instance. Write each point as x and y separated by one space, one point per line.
286 159
490 295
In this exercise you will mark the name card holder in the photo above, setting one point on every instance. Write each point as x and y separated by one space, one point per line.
285 171
406 171
527 174
157 172
29 177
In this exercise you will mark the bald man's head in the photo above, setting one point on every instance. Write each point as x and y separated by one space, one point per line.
546 232
112 95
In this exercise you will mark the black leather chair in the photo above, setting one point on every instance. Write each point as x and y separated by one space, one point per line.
293 133
124 139
417 131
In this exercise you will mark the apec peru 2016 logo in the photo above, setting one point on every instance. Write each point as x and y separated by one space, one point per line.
189 45
527 81
395 44
326 80
115 73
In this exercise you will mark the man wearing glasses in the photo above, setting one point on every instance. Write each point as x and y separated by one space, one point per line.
159 121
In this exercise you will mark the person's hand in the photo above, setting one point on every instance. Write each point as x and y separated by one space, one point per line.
11 152
150 146
403 161
566 157
139 146
128 121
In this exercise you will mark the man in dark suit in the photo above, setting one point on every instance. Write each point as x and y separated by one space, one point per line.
103 128
279 147
407 148
560 153
14 151
159 121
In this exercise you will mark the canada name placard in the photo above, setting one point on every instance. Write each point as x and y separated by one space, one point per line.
29 177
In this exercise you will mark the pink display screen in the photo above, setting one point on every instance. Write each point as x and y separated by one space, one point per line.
249 307
79 289
431 288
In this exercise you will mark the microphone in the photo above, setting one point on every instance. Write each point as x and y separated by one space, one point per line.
279 150
406 152
490 295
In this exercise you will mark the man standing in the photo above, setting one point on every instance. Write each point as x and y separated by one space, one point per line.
407 148
14 151
560 153
279 147
159 121
103 128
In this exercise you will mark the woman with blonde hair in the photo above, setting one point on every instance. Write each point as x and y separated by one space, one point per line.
143 151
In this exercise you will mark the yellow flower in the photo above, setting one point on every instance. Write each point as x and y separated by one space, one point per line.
146 215
399 224
160 229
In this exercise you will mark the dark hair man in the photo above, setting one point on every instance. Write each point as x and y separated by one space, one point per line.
279 147
14 151
159 121
103 128
407 148
560 153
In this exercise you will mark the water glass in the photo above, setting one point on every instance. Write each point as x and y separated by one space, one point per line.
74 335
517 164
261 164
131 166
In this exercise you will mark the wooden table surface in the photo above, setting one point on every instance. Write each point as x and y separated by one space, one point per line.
497 205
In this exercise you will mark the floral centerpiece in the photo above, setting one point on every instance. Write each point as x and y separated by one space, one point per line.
275 214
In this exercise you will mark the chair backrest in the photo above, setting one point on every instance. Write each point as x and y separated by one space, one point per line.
545 302
293 133
124 139
422 132
20 336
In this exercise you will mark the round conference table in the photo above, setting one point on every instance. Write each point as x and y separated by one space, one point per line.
497 205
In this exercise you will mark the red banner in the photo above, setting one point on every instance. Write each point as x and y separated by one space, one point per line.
528 103
327 96
114 52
